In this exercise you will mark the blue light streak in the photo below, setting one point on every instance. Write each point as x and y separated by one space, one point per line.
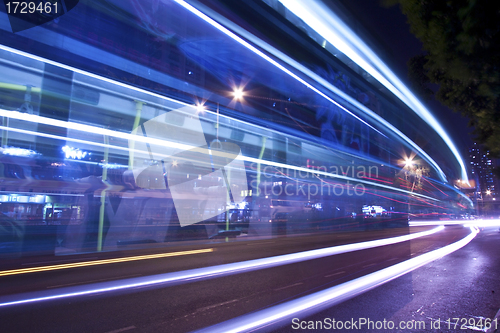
326 298
306 71
267 58
201 273
320 18
127 136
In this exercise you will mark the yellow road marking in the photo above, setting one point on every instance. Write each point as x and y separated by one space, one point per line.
100 262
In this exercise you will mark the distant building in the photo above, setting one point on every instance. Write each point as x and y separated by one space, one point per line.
482 167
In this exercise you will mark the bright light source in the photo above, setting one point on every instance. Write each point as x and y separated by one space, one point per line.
73 153
408 162
488 192
200 107
14 151
238 93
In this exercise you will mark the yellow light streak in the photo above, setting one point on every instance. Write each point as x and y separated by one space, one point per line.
100 262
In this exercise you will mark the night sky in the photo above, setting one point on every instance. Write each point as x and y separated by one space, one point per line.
390 30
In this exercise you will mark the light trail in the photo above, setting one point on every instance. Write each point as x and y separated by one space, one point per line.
322 20
324 299
267 58
465 223
483 223
435 222
306 71
100 262
255 50
121 84
309 73
202 273
164 143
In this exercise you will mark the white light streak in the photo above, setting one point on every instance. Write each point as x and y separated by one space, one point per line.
202 273
484 223
271 50
466 223
267 58
314 76
331 296
126 136
76 70
320 18
435 222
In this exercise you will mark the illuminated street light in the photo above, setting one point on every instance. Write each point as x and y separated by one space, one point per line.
488 192
200 108
238 93
408 162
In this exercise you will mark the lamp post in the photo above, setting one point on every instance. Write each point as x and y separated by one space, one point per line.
485 198
407 169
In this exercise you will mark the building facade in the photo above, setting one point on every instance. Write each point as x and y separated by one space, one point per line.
482 166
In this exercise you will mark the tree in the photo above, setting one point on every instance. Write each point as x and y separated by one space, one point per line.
461 40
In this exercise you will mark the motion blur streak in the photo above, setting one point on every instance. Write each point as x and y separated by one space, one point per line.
101 262
104 79
266 57
202 273
90 143
484 223
76 70
436 222
318 301
466 223
107 132
329 26
311 74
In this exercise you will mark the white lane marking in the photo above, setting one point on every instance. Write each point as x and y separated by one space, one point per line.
338 273
216 305
128 328
290 286
257 243
365 266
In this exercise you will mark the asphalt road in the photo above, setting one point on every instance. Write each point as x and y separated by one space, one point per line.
223 253
452 293
190 306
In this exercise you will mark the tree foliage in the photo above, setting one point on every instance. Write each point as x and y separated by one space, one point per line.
461 40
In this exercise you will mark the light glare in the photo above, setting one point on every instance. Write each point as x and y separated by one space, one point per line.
238 93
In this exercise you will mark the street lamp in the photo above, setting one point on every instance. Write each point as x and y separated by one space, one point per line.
408 162
200 108
238 93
